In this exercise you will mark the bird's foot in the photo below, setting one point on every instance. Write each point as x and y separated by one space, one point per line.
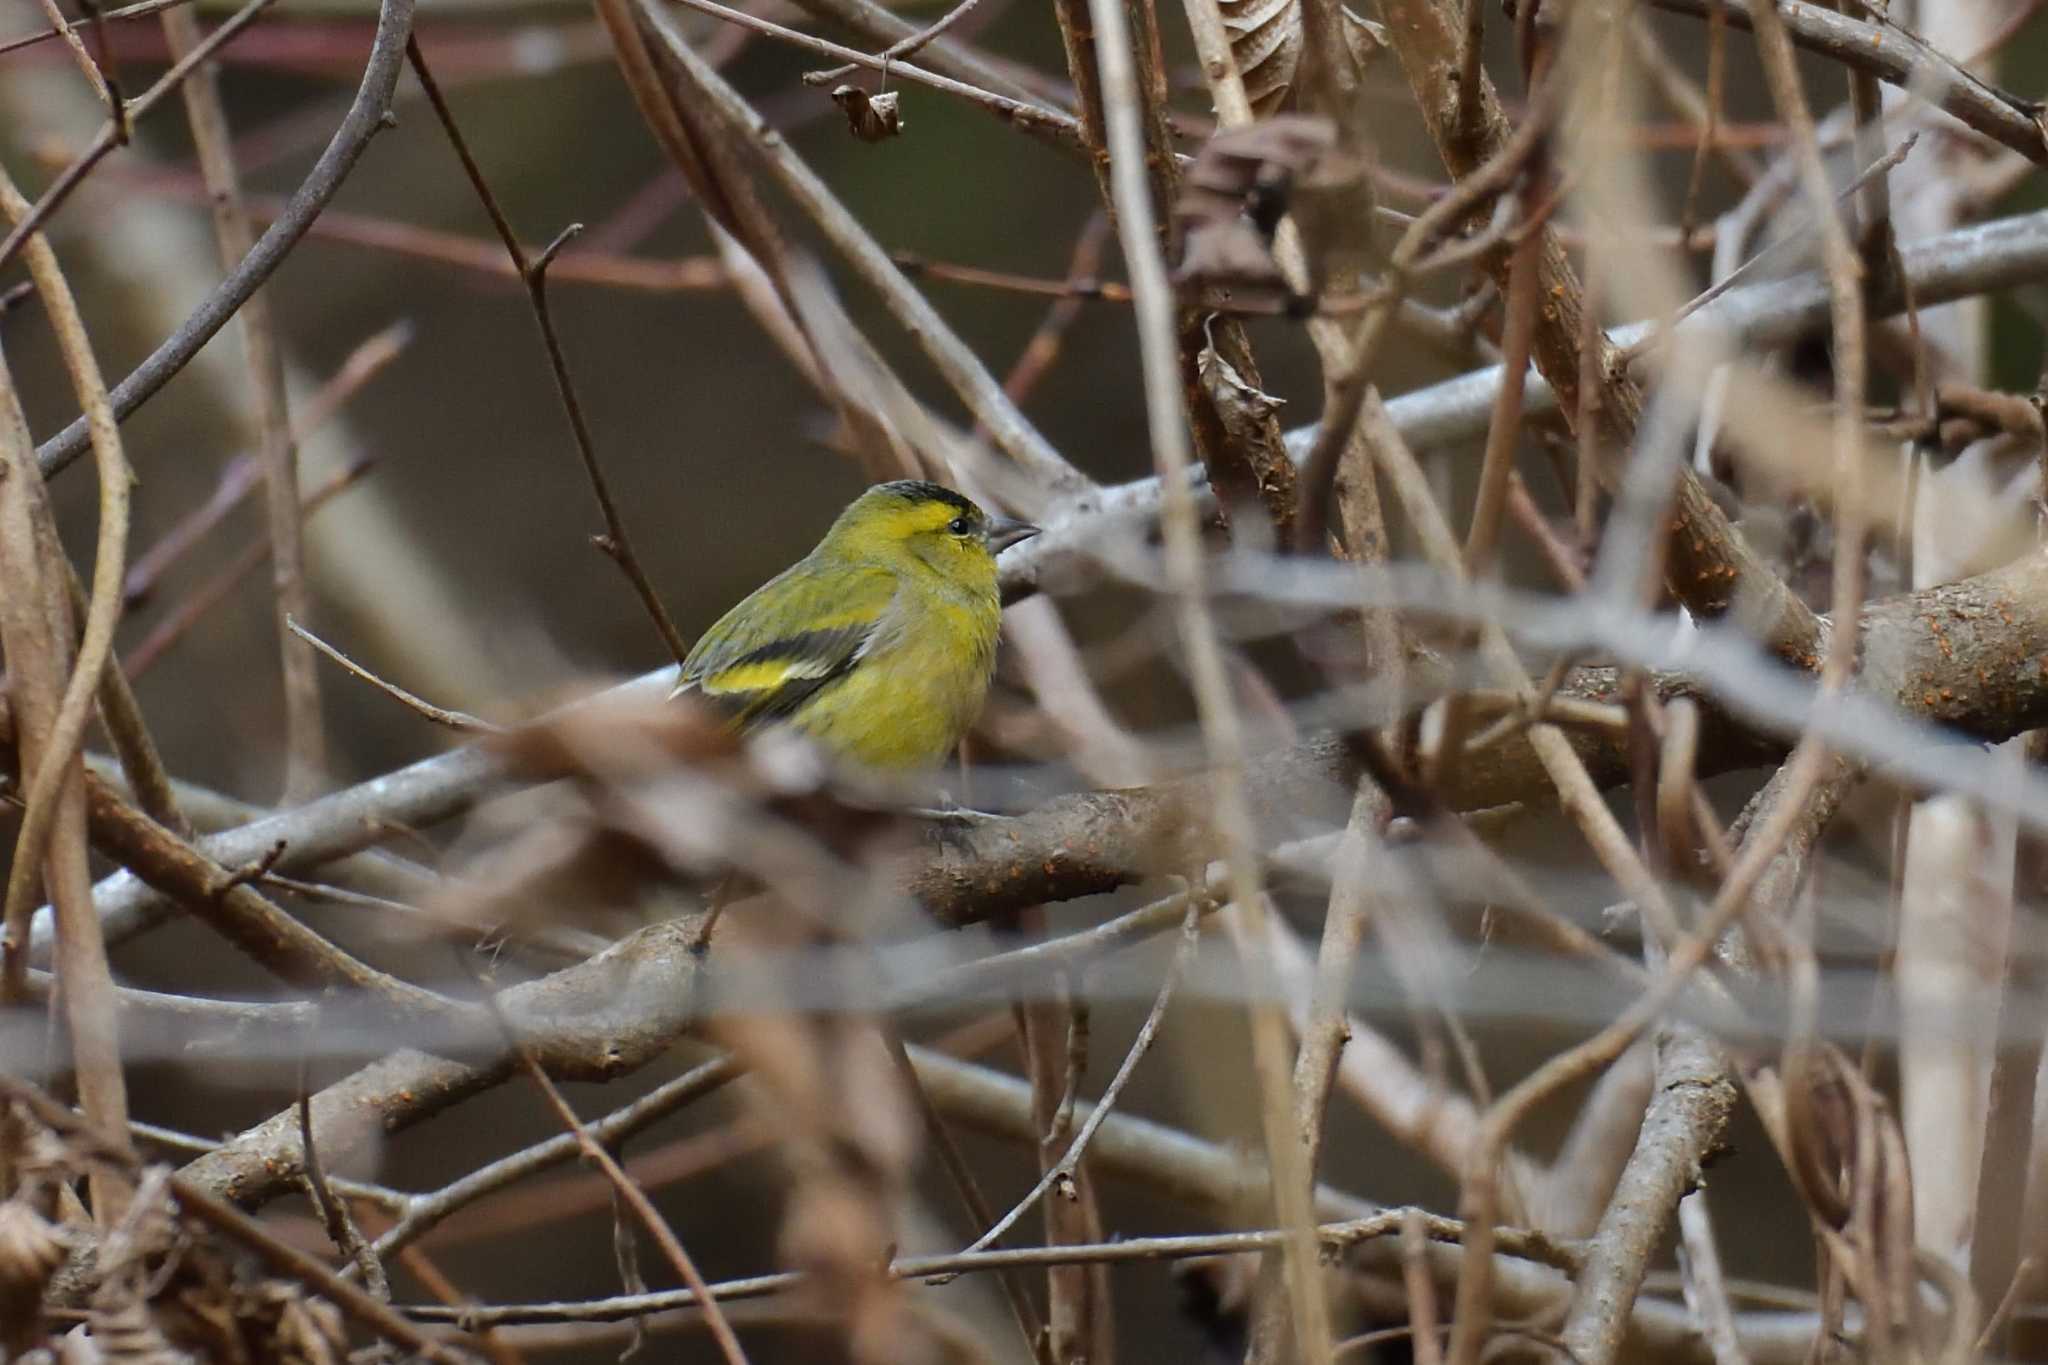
952 827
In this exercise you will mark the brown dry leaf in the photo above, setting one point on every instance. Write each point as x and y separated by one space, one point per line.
290 1326
1232 202
872 118
602 742
1238 403
1265 38
1366 38
31 1251
659 796
1841 1143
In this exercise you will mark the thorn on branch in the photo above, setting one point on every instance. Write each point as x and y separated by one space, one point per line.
252 871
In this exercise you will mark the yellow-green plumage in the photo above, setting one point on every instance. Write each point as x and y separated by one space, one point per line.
879 644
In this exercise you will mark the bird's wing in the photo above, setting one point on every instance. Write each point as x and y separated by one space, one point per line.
755 665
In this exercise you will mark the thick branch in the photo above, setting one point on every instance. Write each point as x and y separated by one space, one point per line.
595 1021
1690 1107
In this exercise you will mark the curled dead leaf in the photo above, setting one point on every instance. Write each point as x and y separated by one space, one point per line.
31 1250
1242 406
1266 38
872 118
1234 197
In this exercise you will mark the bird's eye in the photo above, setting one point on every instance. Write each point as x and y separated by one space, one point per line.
959 526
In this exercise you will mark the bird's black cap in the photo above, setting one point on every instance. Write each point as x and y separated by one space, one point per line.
920 490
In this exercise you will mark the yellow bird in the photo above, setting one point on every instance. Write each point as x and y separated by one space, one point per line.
878 644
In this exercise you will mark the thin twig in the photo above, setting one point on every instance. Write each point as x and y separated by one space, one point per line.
901 48
1052 1038
238 477
1874 172
1350 913
277 449
1415 1277
341 1228
422 1213
1706 1289
99 79
1386 1224
1076 288
455 720
97 19
366 115
113 133
1845 296
1049 473
1046 124
212 592
479 255
219 897
533 273
2023 1276
635 1198
1896 59
1038 355
1016 1292
1063 1169
288 1260
1504 432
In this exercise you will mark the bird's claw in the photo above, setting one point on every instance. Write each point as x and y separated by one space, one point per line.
959 817
953 827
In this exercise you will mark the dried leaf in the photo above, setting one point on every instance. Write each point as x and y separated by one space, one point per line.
1233 200
602 743
660 798
31 1250
1366 38
1242 407
872 118
289 1326
1265 38
31 1247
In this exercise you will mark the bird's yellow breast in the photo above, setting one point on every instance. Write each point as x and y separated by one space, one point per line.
917 687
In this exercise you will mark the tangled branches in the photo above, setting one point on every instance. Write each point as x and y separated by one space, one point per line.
1640 707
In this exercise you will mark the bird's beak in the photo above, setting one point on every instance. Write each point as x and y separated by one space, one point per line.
1004 532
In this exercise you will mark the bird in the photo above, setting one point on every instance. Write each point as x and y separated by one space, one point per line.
878 645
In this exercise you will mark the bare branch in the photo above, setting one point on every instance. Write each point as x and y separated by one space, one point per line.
1897 58
365 117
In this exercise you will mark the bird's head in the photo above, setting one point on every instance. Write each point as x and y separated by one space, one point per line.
913 525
